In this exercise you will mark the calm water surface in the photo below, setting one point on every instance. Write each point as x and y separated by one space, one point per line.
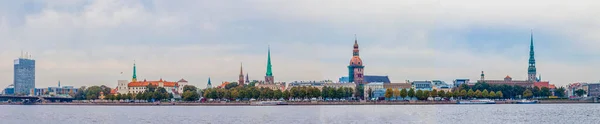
359 114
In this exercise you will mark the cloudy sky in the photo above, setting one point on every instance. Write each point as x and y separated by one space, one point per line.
89 42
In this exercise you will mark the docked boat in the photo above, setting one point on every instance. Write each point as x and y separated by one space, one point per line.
524 101
269 103
484 101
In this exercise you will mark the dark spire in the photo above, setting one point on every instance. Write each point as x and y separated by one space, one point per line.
531 70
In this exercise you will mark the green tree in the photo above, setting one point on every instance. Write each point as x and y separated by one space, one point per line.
396 93
150 88
545 92
464 87
161 90
560 92
419 94
278 94
492 95
235 94
433 93
80 94
478 94
389 93
527 93
411 93
286 94
139 96
119 96
485 93
190 96
403 93
92 92
580 92
471 93
231 85
189 88
536 91
360 91
441 93
426 94
463 93
499 94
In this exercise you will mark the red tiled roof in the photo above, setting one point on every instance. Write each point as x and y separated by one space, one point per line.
113 91
542 84
154 83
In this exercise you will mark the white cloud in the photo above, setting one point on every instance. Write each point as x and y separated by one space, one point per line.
91 42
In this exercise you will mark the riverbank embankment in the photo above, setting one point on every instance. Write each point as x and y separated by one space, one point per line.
289 103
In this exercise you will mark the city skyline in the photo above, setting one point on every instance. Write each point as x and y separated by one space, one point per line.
90 43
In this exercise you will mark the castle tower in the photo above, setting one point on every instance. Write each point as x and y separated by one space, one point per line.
482 77
134 77
241 76
531 70
355 69
269 79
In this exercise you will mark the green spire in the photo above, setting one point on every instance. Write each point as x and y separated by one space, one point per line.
134 78
531 55
269 71
531 70
209 81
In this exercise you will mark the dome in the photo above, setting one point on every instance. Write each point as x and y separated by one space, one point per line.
355 61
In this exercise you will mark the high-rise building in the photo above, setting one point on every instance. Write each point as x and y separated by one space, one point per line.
24 75
531 70
241 76
355 69
269 79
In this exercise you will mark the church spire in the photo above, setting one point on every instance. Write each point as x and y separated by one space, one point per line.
208 85
355 51
269 79
247 79
531 70
269 71
134 77
241 76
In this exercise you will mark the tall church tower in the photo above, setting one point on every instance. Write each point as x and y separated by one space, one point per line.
531 70
208 85
269 79
134 77
241 76
247 79
355 69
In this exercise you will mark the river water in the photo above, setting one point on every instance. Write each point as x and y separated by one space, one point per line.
355 114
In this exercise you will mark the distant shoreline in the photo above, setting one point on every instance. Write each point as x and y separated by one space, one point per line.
300 103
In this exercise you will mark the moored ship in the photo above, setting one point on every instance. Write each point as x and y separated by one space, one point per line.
484 101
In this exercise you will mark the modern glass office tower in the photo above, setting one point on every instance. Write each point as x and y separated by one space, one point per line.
24 75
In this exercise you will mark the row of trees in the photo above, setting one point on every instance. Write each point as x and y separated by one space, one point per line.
422 95
92 92
514 91
249 92
151 93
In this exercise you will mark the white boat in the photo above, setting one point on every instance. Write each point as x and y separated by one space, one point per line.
269 103
524 101
483 101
